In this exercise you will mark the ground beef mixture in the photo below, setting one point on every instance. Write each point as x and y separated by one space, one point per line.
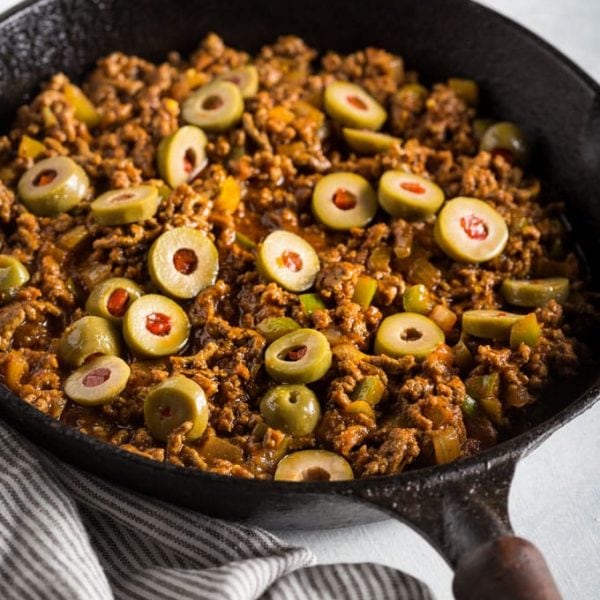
282 146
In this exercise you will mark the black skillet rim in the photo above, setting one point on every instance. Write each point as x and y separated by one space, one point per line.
18 410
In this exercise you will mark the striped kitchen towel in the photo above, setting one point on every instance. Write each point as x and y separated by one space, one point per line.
65 534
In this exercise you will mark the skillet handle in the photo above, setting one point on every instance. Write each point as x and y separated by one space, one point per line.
505 568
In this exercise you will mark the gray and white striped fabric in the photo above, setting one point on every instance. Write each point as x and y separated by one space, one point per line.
65 534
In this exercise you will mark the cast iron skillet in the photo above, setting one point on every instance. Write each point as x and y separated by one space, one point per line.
462 507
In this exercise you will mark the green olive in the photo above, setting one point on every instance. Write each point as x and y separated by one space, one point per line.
465 89
173 402
272 328
301 356
409 196
288 260
99 381
343 201
492 324
111 298
505 137
246 78
407 334
368 142
417 299
13 273
128 205
53 185
293 409
85 337
527 331
182 155
313 465
535 292
470 230
155 326
182 262
352 106
217 106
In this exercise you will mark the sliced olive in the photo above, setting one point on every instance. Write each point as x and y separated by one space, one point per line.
173 402
216 106
470 230
409 196
155 326
127 205
313 465
466 89
365 290
182 155
352 106
53 185
535 292
407 333
13 273
272 328
293 409
99 381
527 331
507 139
368 142
288 260
369 390
301 356
492 324
344 200
182 262
85 337
246 78
417 299
111 298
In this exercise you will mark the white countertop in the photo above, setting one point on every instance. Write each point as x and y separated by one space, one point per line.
555 498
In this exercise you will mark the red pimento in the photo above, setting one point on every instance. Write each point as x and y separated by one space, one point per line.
475 227
117 302
96 377
356 102
158 324
185 261
412 186
344 199
291 260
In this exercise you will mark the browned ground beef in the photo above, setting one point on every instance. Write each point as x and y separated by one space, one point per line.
278 156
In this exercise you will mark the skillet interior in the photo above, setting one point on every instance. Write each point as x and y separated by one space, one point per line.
521 79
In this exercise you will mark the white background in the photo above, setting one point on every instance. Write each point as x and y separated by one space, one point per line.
555 499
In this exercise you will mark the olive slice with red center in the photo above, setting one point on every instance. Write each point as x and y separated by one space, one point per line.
407 333
128 205
507 139
344 200
182 262
155 325
246 78
368 142
352 106
409 196
98 381
470 230
492 324
173 402
301 356
111 298
182 155
53 185
293 409
216 106
313 465
288 260
84 338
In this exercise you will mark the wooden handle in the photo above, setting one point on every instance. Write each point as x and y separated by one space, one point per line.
507 568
